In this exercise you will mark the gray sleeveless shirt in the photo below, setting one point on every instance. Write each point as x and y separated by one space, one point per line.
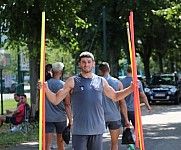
86 100
111 108
55 113
130 98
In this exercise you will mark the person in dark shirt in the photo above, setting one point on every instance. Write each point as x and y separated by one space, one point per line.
48 71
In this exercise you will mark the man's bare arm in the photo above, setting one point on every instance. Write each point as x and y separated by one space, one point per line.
9 111
56 98
123 107
15 112
116 95
68 109
145 100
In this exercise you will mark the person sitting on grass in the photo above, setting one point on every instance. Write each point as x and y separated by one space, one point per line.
17 115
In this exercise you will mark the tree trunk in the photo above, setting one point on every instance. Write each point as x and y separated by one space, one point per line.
172 66
145 54
34 75
114 62
160 62
146 63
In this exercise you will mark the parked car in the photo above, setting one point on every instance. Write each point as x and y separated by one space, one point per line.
20 87
164 87
7 89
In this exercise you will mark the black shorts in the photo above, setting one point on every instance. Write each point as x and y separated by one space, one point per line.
113 125
59 126
130 118
11 119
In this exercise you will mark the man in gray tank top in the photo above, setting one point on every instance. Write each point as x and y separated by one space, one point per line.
111 109
56 115
86 91
130 98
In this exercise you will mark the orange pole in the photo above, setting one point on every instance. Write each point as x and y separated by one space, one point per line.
135 101
136 91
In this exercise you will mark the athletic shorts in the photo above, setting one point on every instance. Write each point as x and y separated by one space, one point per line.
51 126
113 125
130 118
87 142
11 119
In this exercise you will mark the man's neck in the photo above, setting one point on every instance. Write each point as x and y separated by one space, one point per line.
56 76
86 75
106 74
129 74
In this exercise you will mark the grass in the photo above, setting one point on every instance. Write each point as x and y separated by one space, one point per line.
10 139
10 104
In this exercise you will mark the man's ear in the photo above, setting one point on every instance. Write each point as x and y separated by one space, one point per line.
100 72
78 64
94 63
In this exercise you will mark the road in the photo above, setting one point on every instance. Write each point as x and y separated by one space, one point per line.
162 130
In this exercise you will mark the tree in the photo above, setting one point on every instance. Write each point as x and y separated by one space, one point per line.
22 19
172 15
152 32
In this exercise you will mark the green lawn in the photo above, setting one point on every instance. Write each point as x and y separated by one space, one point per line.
10 104
9 139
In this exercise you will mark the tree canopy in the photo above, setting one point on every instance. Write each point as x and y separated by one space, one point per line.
76 25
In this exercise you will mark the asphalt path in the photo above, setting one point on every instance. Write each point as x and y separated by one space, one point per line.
162 128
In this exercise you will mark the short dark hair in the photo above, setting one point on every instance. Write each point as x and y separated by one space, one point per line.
16 94
48 67
24 95
104 67
86 55
129 69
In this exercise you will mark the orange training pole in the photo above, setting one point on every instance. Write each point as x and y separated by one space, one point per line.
135 101
136 92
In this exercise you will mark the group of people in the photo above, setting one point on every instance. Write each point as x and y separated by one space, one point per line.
91 102
16 116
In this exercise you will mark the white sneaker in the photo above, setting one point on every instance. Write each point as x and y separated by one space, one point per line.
16 128
53 146
134 137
